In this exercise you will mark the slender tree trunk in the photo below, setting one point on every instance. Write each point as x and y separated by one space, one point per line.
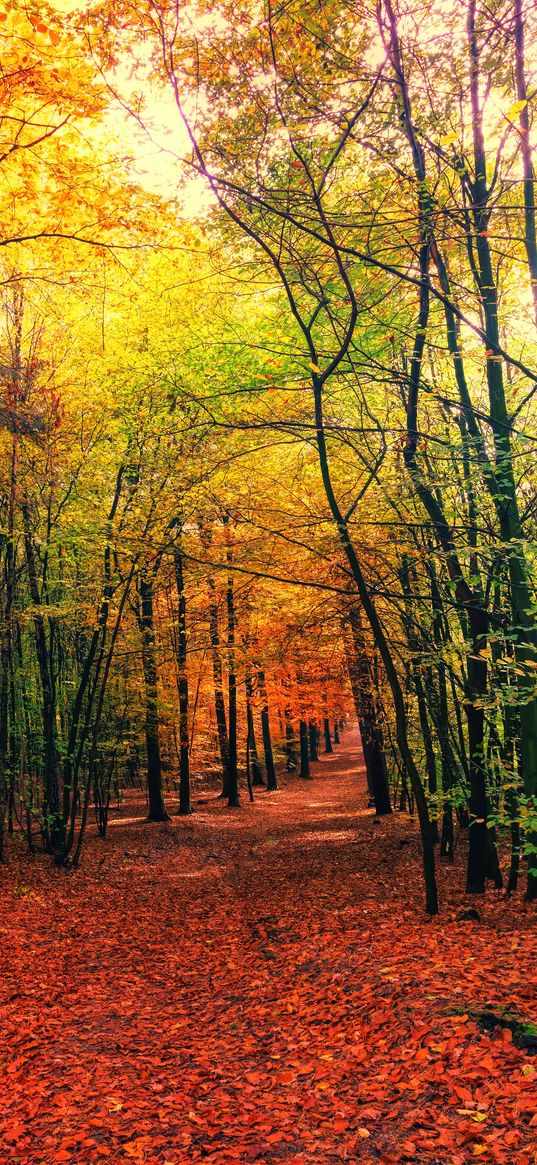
182 648
511 768
233 784
290 739
367 712
53 823
290 742
157 809
415 681
272 782
304 752
327 736
248 776
219 702
257 772
476 690
6 661
312 730
442 718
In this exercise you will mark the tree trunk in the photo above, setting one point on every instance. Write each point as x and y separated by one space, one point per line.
157 809
182 647
367 712
53 823
6 662
270 767
233 784
257 772
312 731
290 742
304 752
476 689
327 736
219 702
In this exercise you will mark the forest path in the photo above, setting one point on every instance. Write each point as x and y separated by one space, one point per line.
246 986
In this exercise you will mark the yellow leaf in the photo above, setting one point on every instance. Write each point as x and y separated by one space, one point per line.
315 368
449 139
364 1133
515 109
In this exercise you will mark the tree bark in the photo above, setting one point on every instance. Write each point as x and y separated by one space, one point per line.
233 785
257 772
157 809
312 731
327 736
367 712
304 752
182 648
219 702
272 782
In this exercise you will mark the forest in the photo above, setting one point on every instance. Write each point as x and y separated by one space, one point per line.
268 555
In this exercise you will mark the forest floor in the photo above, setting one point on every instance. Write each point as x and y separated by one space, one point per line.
260 986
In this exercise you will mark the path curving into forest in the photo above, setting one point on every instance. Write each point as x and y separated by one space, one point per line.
246 986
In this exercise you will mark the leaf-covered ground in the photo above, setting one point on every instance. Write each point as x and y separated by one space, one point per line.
260 986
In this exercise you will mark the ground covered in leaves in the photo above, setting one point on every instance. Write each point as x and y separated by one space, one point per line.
260 985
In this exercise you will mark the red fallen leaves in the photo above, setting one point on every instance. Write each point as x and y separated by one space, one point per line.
217 999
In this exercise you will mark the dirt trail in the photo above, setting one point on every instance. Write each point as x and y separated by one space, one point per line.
248 986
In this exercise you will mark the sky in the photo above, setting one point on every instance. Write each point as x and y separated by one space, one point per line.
156 147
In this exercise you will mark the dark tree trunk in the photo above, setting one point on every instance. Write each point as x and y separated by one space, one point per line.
336 732
312 731
476 690
6 662
157 809
257 772
367 712
304 751
219 702
270 767
510 759
327 736
182 647
492 862
430 759
290 743
450 772
54 826
233 782
415 647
